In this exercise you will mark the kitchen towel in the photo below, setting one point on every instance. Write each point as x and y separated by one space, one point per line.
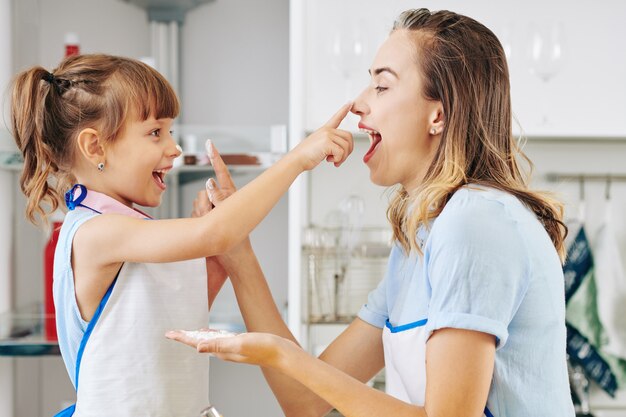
583 327
611 288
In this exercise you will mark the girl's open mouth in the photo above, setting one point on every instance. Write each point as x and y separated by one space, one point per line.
159 178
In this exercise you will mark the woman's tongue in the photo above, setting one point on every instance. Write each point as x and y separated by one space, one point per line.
376 139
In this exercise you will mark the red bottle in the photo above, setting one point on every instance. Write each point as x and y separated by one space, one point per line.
50 330
72 45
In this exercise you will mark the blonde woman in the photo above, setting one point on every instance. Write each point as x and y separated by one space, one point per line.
469 319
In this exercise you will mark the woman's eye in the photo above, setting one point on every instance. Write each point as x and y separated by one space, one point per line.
379 89
156 133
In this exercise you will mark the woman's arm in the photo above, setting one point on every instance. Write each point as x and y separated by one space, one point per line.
459 371
459 363
215 272
357 351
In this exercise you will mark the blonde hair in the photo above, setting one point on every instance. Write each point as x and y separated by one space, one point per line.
464 67
49 110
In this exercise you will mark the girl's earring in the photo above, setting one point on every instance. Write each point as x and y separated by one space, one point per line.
433 131
101 166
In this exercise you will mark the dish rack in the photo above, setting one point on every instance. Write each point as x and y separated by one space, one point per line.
341 266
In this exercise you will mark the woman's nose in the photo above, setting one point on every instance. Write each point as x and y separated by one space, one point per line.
360 107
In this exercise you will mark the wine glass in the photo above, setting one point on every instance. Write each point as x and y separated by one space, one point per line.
546 54
348 48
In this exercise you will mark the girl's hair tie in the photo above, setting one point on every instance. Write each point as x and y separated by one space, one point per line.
49 77
61 84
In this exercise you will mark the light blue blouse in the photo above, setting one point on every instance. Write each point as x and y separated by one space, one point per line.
489 266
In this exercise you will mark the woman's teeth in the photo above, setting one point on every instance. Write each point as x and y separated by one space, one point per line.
375 139
372 133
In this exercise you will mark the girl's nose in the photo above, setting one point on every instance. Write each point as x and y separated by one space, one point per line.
179 151
174 150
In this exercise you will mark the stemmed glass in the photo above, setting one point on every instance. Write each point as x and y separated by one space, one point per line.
348 49
546 53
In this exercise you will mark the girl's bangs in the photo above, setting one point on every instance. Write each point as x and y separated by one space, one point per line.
152 95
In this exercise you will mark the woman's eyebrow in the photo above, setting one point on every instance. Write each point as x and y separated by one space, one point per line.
378 71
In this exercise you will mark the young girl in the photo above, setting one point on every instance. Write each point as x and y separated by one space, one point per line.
121 279
469 319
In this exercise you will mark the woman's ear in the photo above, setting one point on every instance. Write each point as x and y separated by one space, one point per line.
89 146
436 120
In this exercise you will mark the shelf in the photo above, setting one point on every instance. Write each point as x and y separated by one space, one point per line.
188 173
23 334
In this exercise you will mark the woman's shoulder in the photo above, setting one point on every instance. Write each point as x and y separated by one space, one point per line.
475 213
482 202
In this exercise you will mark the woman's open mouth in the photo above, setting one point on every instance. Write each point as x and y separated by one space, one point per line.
375 139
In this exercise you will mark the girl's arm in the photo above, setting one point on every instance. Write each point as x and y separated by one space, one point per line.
103 243
109 239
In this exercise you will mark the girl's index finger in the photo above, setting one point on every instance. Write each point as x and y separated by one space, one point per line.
221 170
338 117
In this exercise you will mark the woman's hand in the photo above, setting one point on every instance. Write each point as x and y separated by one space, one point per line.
262 349
216 274
326 143
217 192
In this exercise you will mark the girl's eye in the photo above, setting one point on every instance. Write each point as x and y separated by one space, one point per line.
379 89
156 133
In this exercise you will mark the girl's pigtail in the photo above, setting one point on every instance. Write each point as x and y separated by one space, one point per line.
29 110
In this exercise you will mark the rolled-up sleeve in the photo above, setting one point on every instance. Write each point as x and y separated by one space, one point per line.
477 268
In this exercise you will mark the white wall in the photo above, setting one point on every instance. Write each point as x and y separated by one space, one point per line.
235 63
106 26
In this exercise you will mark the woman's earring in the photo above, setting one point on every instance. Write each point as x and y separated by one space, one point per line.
433 131
101 166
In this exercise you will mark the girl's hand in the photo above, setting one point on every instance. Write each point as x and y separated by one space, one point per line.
326 143
262 349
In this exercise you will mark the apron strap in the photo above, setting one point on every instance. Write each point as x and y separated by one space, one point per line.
69 411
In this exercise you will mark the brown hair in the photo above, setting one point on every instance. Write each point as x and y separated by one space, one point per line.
49 110
464 67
